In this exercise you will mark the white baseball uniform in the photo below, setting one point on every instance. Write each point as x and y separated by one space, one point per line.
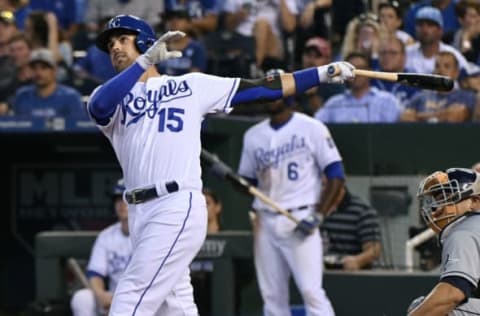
287 162
155 133
109 259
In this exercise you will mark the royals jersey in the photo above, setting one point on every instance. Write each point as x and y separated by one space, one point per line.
288 161
110 255
155 130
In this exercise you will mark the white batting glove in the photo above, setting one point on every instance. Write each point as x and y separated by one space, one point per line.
336 72
158 51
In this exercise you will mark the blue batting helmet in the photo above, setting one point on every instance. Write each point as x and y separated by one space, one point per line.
118 188
128 24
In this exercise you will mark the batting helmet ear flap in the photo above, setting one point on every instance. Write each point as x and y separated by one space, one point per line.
144 41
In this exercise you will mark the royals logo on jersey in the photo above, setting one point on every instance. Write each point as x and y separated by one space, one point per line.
287 161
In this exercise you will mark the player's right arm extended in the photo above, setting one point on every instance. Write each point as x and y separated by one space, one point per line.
280 86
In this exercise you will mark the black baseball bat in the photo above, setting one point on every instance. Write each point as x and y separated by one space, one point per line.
422 81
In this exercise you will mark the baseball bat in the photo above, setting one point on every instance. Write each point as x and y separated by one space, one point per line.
422 81
78 272
221 170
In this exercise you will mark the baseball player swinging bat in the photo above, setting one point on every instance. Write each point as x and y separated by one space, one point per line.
78 272
220 169
422 81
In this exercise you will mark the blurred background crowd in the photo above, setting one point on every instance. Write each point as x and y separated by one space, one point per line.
49 62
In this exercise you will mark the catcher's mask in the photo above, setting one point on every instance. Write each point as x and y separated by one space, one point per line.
439 193
129 24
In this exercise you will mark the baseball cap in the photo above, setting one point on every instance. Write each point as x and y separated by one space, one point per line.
43 55
430 14
320 45
7 17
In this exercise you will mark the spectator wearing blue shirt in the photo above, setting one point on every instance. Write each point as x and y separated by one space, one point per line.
194 56
361 103
45 97
392 58
435 106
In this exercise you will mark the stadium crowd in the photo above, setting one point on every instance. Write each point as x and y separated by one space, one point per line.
49 61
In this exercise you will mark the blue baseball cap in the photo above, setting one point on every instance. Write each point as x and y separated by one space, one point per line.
430 14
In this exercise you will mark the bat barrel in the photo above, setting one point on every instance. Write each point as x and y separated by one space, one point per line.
424 81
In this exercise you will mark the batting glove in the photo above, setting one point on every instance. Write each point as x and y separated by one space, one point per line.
158 51
336 72
309 224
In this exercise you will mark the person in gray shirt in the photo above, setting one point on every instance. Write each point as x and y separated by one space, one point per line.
450 204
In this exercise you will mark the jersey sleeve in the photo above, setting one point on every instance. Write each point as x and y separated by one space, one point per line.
213 93
325 150
98 263
106 129
246 167
461 256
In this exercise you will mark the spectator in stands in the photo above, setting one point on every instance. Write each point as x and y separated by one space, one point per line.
363 35
109 258
93 69
361 103
470 80
266 21
214 208
19 50
70 14
392 59
7 69
19 8
467 38
194 56
342 12
317 52
447 11
352 234
429 30
46 97
98 10
42 29
203 14
390 17
435 106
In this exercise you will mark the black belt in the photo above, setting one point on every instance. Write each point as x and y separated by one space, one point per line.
300 208
142 195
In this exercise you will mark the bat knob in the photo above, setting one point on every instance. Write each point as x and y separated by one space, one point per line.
331 70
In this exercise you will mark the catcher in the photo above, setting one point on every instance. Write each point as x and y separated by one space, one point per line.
450 204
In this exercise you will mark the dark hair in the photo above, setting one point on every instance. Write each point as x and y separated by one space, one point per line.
391 4
362 55
39 27
212 194
462 6
20 37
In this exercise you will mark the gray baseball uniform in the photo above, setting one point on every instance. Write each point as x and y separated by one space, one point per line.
461 257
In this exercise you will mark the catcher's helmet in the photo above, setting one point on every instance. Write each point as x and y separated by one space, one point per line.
439 192
128 24
118 188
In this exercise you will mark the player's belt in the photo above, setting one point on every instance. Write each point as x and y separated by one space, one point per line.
300 208
142 195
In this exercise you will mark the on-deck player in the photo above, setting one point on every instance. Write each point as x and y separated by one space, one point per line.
286 156
153 123
109 258
450 205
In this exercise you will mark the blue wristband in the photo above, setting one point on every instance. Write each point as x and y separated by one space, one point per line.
305 79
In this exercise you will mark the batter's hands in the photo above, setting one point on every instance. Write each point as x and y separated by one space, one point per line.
158 51
309 224
336 72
